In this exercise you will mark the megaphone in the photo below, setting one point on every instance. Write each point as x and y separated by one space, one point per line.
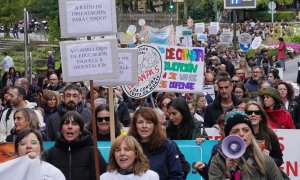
233 146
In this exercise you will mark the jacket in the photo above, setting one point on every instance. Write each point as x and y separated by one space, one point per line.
214 110
281 50
54 120
165 161
294 109
75 159
283 118
218 168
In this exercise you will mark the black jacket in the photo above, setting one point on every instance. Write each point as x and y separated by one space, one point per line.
75 159
214 110
54 120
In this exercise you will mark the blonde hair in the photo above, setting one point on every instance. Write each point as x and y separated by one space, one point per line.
140 164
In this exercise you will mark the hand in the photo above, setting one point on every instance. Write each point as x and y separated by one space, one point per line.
32 155
2 142
266 152
231 164
199 140
199 166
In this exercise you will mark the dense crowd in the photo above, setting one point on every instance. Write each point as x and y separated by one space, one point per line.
250 101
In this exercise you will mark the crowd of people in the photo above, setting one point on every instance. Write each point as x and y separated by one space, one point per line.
250 101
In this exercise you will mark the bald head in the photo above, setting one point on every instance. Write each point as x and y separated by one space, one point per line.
209 79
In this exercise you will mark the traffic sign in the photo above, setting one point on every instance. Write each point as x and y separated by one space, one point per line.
239 4
272 5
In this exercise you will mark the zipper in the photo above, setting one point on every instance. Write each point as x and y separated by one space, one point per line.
70 160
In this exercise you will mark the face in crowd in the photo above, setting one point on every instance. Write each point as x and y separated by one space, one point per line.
28 144
103 122
225 89
71 99
257 74
70 129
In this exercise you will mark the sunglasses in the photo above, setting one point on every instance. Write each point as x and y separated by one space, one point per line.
257 112
235 81
100 119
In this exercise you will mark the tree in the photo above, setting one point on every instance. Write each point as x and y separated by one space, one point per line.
11 11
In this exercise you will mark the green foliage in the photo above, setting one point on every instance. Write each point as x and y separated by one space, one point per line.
295 39
284 2
264 16
54 30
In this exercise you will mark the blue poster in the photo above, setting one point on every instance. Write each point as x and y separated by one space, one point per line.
193 152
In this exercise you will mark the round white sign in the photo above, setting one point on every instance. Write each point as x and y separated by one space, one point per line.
142 22
272 5
132 28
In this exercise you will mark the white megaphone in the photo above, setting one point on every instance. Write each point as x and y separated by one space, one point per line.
233 146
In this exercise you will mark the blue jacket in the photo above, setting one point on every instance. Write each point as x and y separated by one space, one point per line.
165 161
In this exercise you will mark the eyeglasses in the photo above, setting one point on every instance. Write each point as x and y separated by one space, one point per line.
100 119
235 81
32 142
257 112
72 95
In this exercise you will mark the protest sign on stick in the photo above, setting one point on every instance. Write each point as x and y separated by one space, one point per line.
82 18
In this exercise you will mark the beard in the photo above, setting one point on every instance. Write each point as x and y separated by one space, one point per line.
71 106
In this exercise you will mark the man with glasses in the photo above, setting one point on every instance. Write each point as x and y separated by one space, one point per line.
71 102
53 83
255 80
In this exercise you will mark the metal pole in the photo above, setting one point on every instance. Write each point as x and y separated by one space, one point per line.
30 67
272 13
177 13
25 41
234 29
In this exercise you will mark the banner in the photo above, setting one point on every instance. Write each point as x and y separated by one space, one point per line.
87 17
288 139
202 37
164 36
226 37
149 72
183 69
21 168
89 60
7 152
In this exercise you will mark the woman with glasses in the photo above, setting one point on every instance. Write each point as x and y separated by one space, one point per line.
161 152
29 142
264 134
73 151
127 161
103 123
25 119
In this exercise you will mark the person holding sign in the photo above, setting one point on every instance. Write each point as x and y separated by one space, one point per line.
127 161
103 125
161 152
73 150
29 142
253 164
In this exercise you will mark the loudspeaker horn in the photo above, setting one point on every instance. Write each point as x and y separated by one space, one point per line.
233 146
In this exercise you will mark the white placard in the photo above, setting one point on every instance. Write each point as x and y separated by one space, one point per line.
226 37
82 18
215 24
89 60
256 42
128 63
213 30
245 38
199 28
209 89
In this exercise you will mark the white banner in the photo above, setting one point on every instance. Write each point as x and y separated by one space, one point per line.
199 28
289 144
21 168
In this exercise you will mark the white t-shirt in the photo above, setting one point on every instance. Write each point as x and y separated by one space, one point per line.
149 175
8 62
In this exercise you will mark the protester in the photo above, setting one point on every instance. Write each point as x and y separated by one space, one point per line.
50 103
253 164
240 91
23 119
71 102
256 78
224 101
277 117
7 62
286 92
264 134
281 53
182 124
103 123
127 161
161 152
200 103
53 83
72 152
29 142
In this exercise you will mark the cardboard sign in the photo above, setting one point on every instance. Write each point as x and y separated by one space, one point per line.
199 28
226 37
128 64
183 69
213 30
209 89
149 72
202 37
245 38
89 60
160 36
82 18
256 42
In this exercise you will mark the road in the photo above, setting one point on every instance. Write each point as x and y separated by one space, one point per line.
290 75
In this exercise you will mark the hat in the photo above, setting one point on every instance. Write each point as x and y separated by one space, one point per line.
234 118
274 93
